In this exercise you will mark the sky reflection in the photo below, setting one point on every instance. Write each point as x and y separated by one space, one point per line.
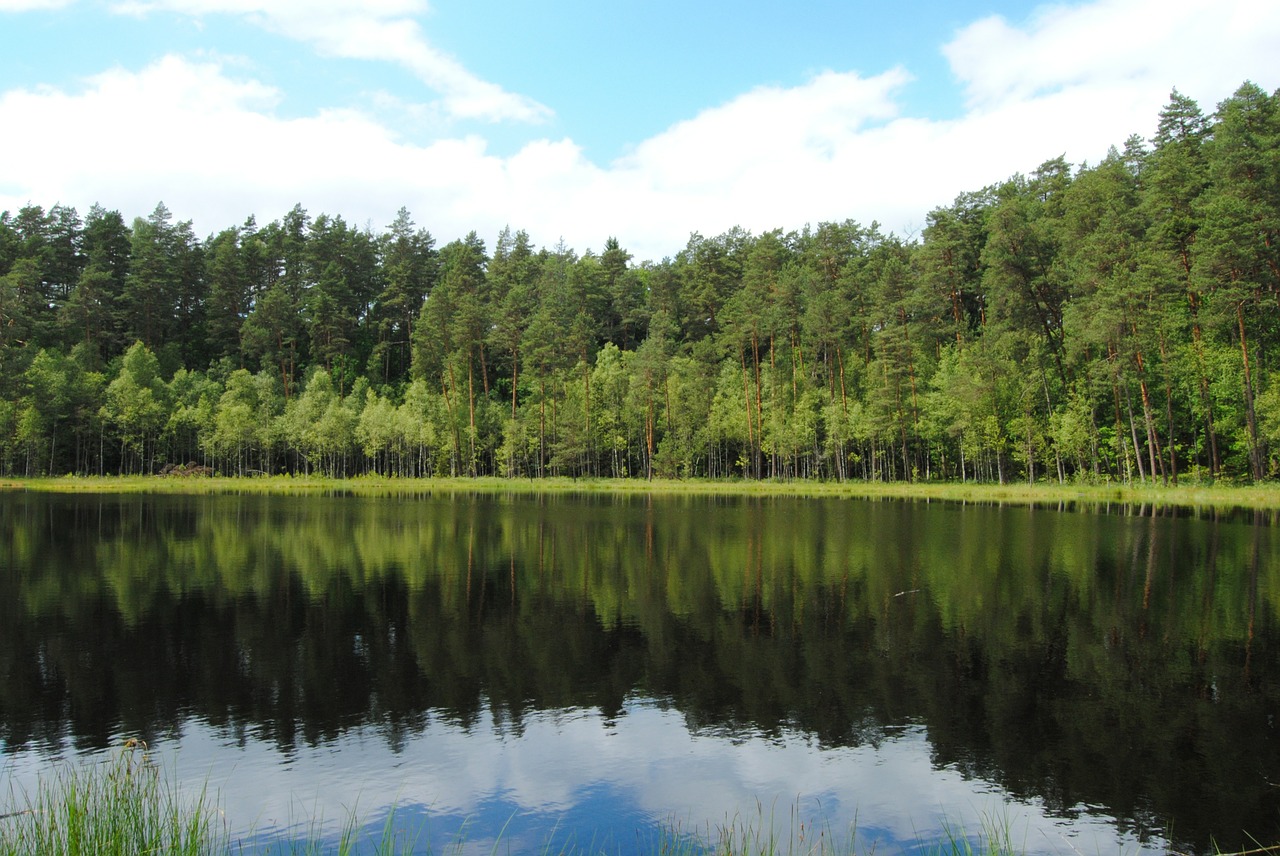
613 784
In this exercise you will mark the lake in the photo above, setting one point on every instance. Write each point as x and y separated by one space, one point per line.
534 672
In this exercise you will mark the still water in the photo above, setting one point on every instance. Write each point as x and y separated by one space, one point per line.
601 671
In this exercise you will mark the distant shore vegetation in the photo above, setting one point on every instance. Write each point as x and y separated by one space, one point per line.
1144 499
1107 323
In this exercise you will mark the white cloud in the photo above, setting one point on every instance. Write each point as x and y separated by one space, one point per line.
32 5
1205 49
383 30
179 131
838 146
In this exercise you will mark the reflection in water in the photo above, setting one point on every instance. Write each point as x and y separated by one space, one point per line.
625 781
579 665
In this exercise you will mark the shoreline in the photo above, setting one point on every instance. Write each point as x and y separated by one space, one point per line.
1194 496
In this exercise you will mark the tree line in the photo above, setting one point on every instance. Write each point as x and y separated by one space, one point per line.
1111 321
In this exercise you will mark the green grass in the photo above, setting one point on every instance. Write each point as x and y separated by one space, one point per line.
122 806
765 835
126 806
1186 495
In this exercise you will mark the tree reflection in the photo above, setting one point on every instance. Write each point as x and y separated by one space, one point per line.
1080 658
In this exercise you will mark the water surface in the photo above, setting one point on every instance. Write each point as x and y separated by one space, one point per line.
597 670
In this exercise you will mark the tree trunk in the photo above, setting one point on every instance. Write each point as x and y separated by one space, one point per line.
586 417
1133 432
749 464
453 421
648 439
542 425
844 399
1251 418
1168 406
471 415
759 447
1148 421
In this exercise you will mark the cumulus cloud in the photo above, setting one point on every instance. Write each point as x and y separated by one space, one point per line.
1202 48
211 146
186 132
384 30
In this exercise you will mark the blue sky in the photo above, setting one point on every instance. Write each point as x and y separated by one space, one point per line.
580 120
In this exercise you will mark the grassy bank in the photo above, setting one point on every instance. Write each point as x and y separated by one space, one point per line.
1186 495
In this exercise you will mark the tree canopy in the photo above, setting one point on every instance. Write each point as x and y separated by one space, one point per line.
1108 321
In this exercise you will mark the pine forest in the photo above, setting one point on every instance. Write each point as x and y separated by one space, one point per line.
1112 321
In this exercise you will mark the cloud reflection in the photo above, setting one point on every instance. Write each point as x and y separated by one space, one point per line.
577 777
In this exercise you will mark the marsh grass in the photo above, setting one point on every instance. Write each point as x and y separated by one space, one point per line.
1192 495
767 833
995 838
119 806
388 840
127 806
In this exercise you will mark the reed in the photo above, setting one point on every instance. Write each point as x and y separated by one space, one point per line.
766 834
127 806
120 806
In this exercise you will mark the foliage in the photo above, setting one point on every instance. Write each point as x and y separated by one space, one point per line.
1105 323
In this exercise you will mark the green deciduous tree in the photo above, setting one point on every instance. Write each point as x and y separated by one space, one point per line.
136 407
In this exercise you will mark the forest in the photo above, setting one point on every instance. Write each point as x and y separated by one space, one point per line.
1115 321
